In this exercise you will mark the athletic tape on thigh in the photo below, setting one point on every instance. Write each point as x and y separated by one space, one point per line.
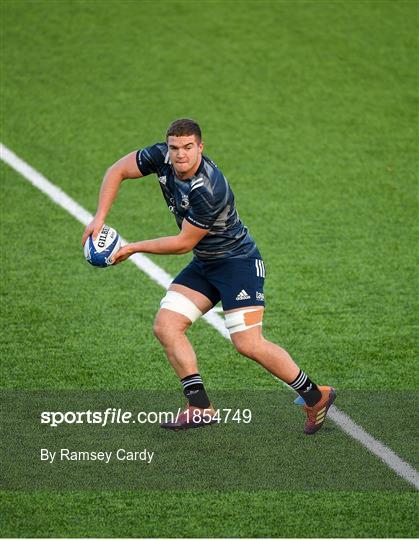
237 321
175 301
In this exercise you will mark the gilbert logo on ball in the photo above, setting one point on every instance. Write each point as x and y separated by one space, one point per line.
99 252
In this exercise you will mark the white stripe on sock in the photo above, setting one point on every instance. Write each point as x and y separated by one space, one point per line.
298 379
192 381
302 379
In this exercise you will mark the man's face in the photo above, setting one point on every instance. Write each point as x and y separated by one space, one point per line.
185 154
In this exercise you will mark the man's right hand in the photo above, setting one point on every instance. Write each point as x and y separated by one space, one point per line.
93 229
126 167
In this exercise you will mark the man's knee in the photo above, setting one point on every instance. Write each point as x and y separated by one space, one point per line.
244 349
245 327
158 328
248 343
176 314
168 324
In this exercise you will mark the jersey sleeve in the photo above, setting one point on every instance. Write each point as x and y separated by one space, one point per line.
151 159
205 207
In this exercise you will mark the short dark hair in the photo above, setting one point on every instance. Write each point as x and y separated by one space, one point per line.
184 126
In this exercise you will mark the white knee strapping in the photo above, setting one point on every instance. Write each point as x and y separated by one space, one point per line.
237 321
175 301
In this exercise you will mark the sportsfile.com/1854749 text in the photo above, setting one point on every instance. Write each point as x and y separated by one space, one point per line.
112 416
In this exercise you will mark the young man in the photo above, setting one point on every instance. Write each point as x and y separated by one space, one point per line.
227 266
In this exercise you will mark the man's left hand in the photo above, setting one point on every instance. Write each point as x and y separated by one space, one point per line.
122 254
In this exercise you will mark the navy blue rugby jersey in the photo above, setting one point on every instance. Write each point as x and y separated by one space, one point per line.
205 200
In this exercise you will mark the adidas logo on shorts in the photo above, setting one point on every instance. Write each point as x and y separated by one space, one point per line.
242 295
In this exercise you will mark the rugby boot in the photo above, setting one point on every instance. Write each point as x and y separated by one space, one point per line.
316 414
192 417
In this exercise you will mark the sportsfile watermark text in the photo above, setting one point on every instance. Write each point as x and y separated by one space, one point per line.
115 416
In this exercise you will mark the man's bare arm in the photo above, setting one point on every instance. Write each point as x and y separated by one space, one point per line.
124 168
184 242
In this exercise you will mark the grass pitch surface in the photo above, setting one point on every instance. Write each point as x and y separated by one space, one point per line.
309 109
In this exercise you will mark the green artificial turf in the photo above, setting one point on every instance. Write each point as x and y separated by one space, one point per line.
310 109
214 514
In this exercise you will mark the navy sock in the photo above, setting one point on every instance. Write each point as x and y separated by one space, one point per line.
306 388
194 391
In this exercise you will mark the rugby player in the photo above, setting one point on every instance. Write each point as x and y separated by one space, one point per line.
227 266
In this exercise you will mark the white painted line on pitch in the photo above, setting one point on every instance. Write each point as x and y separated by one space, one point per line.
157 274
382 451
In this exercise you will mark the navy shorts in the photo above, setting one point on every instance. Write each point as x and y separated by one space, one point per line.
237 281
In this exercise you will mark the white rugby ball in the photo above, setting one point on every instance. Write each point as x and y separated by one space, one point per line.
99 252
